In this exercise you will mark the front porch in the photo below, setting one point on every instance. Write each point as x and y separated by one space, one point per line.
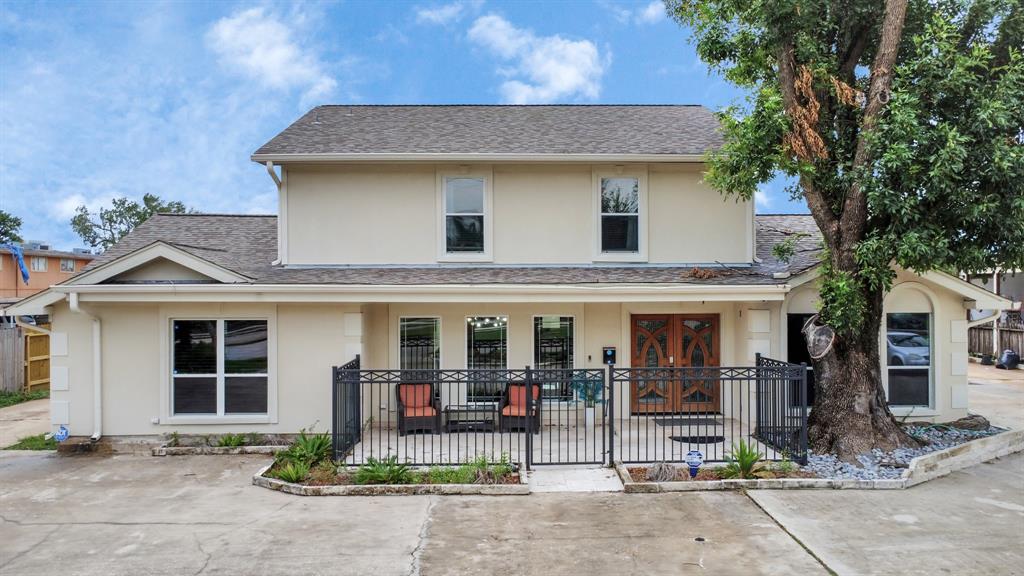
573 416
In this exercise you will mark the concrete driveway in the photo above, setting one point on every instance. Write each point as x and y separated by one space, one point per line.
200 515
996 394
970 522
25 419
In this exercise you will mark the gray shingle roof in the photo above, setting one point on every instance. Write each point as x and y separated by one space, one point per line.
456 129
248 244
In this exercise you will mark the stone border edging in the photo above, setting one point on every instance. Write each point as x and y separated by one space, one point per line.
216 450
921 469
521 489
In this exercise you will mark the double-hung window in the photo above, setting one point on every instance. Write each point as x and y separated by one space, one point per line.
621 217
908 358
67 265
553 350
219 367
38 263
466 217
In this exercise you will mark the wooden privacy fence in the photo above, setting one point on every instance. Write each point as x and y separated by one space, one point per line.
24 359
979 340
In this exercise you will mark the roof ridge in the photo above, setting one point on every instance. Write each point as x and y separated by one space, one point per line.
218 214
634 105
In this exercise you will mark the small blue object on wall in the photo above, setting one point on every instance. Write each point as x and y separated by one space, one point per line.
694 458
61 434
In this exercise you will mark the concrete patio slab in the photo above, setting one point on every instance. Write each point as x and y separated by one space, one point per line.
25 419
970 522
996 394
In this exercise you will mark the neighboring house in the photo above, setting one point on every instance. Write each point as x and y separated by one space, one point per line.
1008 333
46 267
462 237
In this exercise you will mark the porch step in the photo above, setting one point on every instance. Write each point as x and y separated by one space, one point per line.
573 479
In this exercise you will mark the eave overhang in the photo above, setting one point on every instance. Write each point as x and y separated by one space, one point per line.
471 157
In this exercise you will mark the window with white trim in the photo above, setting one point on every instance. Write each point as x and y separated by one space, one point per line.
67 265
38 263
219 367
908 358
620 220
465 215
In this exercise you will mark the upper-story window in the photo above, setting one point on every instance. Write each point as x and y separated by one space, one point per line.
67 265
38 264
466 226
621 217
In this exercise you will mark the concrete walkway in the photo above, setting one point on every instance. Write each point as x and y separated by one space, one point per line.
574 479
996 394
970 522
25 419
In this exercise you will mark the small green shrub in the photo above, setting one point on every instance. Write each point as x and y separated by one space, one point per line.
786 466
744 461
175 440
230 440
254 439
309 449
387 471
477 471
294 472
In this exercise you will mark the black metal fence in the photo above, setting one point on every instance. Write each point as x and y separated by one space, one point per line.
572 416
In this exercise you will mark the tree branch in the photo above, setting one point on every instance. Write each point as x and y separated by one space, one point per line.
854 212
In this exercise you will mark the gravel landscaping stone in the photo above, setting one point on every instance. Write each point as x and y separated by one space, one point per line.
879 465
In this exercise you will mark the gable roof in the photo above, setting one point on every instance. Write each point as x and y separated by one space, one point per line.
334 132
247 246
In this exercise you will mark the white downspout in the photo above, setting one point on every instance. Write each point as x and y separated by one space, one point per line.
280 216
97 368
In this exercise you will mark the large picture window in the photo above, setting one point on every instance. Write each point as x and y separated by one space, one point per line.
219 367
620 215
464 215
486 348
553 350
908 358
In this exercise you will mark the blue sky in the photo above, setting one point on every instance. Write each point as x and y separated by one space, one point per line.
101 100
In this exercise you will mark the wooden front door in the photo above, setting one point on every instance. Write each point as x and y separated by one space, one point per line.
675 341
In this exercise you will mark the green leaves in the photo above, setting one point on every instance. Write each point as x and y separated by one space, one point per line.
10 226
104 228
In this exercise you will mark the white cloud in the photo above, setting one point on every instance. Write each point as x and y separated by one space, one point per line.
652 13
543 68
447 13
258 45
761 199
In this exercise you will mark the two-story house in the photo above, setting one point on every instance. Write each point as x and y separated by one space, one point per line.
469 237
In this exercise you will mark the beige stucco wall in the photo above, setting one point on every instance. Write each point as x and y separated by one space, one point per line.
911 293
306 340
160 269
541 214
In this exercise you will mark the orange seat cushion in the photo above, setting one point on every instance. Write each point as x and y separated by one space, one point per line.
511 410
419 412
415 395
517 395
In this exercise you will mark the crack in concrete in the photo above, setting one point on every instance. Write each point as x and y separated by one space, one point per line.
790 534
31 548
209 555
414 568
111 523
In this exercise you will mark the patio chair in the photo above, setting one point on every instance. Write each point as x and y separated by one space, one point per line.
512 410
418 409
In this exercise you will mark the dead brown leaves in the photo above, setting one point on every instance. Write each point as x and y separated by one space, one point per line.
803 140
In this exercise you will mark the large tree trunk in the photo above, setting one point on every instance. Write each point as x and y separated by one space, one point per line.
850 415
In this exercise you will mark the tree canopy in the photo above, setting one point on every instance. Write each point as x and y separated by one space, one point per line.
108 225
10 227
900 122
